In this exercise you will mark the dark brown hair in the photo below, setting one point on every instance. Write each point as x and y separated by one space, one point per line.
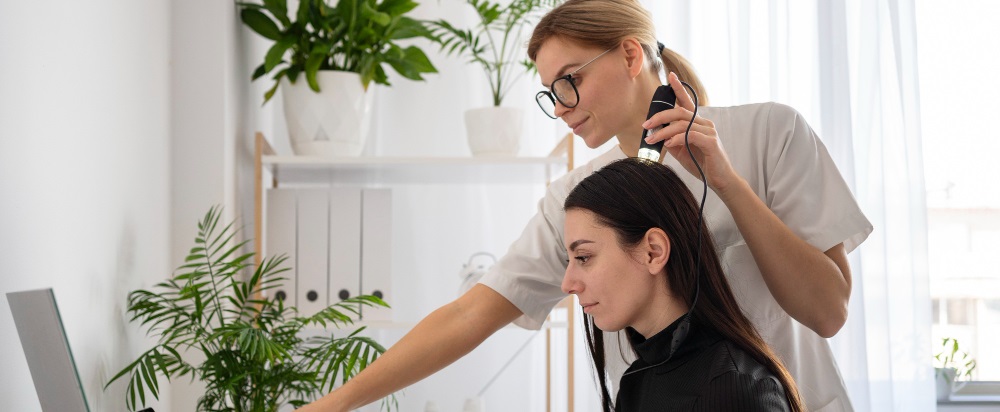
604 24
631 196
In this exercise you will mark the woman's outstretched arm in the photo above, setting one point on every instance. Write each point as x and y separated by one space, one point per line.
441 338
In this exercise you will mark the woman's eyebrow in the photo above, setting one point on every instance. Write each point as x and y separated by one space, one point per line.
574 245
561 72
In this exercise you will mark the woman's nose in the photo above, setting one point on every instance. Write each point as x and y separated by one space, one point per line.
570 285
560 110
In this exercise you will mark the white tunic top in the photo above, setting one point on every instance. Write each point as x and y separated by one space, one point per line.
788 167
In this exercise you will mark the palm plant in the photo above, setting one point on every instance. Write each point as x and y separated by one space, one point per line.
256 357
495 42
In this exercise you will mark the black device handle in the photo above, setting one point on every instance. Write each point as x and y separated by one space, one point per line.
663 99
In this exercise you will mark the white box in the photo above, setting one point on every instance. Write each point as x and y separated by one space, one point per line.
345 244
376 253
313 245
280 239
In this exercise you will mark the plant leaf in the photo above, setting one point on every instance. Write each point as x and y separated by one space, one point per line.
407 28
312 66
278 8
397 7
377 17
277 52
260 23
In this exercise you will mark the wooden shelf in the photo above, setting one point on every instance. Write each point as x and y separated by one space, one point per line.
378 171
415 170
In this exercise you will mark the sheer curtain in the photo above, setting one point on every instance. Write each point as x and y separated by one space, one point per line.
850 67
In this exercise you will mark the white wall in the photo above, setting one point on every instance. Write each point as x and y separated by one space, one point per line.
121 122
211 156
84 175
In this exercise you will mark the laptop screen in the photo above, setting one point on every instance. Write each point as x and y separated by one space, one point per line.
49 357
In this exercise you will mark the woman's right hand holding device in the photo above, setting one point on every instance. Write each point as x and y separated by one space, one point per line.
812 285
704 140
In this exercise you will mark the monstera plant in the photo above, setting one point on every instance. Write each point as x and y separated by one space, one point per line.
257 353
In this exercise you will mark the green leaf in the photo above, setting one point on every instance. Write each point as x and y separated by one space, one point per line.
419 60
278 8
380 76
277 52
302 14
293 73
312 66
250 5
377 17
397 7
407 28
260 23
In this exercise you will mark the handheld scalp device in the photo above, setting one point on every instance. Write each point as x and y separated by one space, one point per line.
663 99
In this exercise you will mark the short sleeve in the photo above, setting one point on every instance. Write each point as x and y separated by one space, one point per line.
530 274
805 189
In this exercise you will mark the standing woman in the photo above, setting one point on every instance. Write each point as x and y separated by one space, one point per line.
781 215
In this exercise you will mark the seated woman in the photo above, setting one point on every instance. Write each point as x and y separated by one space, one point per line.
632 234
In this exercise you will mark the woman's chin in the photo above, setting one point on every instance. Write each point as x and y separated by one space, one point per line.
593 141
608 326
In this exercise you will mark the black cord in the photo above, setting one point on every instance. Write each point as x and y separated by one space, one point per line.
680 334
704 195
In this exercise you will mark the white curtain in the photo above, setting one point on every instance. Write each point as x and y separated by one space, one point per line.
850 67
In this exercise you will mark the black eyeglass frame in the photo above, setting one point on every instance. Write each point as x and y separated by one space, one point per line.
554 97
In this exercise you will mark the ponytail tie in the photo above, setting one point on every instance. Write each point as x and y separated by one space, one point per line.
660 47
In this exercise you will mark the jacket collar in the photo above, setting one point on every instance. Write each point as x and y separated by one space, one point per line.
656 349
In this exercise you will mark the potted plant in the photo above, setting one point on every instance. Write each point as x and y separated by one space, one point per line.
325 57
950 366
495 44
255 355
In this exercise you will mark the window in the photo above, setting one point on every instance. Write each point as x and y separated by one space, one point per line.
959 83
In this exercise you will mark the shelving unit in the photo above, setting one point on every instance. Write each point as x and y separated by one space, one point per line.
419 170
402 170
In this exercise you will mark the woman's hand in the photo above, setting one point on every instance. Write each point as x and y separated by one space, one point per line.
703 138
314 407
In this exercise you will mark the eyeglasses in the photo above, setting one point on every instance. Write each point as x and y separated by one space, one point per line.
563 90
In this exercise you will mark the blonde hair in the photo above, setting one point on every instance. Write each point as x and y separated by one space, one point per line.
604 24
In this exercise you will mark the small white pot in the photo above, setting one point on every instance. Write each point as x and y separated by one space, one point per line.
331 123
944 379
494 131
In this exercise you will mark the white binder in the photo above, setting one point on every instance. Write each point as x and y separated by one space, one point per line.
280 239
312 244
345 244
376 253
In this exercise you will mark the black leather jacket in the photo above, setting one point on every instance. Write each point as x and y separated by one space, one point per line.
708 373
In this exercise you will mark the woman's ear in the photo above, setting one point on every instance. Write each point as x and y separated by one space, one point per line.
634 56
657 248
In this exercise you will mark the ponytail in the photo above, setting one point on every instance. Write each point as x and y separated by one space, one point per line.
673 62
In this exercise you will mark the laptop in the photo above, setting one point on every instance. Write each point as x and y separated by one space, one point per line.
50 360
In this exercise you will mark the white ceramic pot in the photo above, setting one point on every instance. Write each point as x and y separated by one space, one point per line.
945 382
494 131
331 123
